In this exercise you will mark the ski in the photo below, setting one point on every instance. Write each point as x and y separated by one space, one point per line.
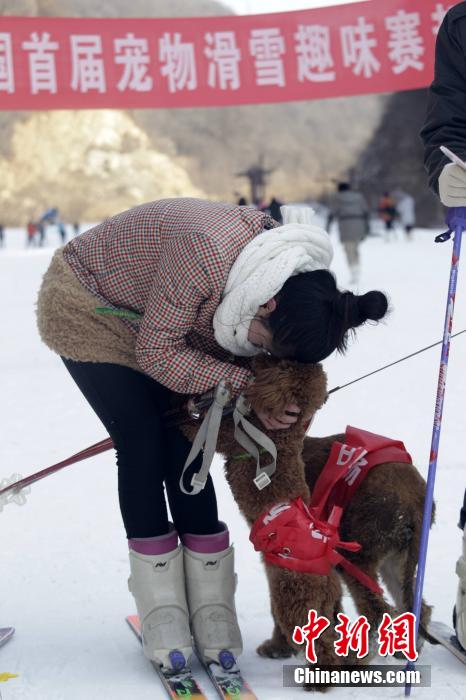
177 683
6 633
227 679
445 635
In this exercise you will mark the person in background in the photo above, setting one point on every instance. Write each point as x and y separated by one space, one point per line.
61 231
31 230
387 212
41 231
2 232
209 286
242 202
445 125
405 208
273 209
49 217
76 228
350 210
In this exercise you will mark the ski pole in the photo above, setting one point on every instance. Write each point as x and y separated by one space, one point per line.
456 222
10 488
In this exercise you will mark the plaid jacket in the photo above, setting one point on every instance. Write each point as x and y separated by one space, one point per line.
169 261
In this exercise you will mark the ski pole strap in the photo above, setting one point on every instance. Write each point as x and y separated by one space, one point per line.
456 219
250 437
206 440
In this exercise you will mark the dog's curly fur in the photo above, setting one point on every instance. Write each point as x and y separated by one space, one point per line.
384 516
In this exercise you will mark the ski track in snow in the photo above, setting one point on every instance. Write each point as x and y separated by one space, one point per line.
64 555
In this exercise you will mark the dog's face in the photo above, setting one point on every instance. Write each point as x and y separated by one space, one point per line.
279 383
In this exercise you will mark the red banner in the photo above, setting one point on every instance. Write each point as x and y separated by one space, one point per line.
375 46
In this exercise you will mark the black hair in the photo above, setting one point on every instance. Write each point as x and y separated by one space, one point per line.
313 317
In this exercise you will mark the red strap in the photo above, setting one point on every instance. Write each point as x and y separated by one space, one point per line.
356 572
349 463
339 463
373 442
306 538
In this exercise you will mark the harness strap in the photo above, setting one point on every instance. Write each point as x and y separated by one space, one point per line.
249 437
356 572
206 440
292 536
339 464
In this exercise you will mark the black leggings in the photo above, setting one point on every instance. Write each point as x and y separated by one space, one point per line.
130 405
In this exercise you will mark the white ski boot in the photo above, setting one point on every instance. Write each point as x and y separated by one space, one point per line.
210 587
157 584
459 613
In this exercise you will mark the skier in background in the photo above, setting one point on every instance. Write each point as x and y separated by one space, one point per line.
445 125
211 293
41 232
405 211
387 212
31 230
2 230
350 209
61 231
50 216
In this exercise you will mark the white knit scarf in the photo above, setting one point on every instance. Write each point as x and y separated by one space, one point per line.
261 270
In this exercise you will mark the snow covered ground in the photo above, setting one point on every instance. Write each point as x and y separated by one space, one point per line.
64 554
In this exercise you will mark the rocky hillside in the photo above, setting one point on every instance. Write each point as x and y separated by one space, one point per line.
393 158
94 163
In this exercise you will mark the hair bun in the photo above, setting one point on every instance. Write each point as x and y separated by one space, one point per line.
348 308
372 306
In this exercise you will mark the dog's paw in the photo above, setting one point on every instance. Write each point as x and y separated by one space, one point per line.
319 688
274 650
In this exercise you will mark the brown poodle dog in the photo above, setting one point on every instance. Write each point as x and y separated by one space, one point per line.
384 516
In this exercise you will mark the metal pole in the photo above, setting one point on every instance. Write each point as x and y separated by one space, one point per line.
456 221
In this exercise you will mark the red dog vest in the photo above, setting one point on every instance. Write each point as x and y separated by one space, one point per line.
305 538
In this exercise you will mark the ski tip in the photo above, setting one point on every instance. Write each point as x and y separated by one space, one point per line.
6 633
134 622
440 633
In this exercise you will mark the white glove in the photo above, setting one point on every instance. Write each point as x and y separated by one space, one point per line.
452 186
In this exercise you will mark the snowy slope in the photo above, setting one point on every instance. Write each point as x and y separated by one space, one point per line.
64 557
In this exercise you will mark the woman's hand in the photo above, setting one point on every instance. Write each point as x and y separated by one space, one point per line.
281 422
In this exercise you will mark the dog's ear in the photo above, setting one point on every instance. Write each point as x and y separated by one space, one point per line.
279 383
313 388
